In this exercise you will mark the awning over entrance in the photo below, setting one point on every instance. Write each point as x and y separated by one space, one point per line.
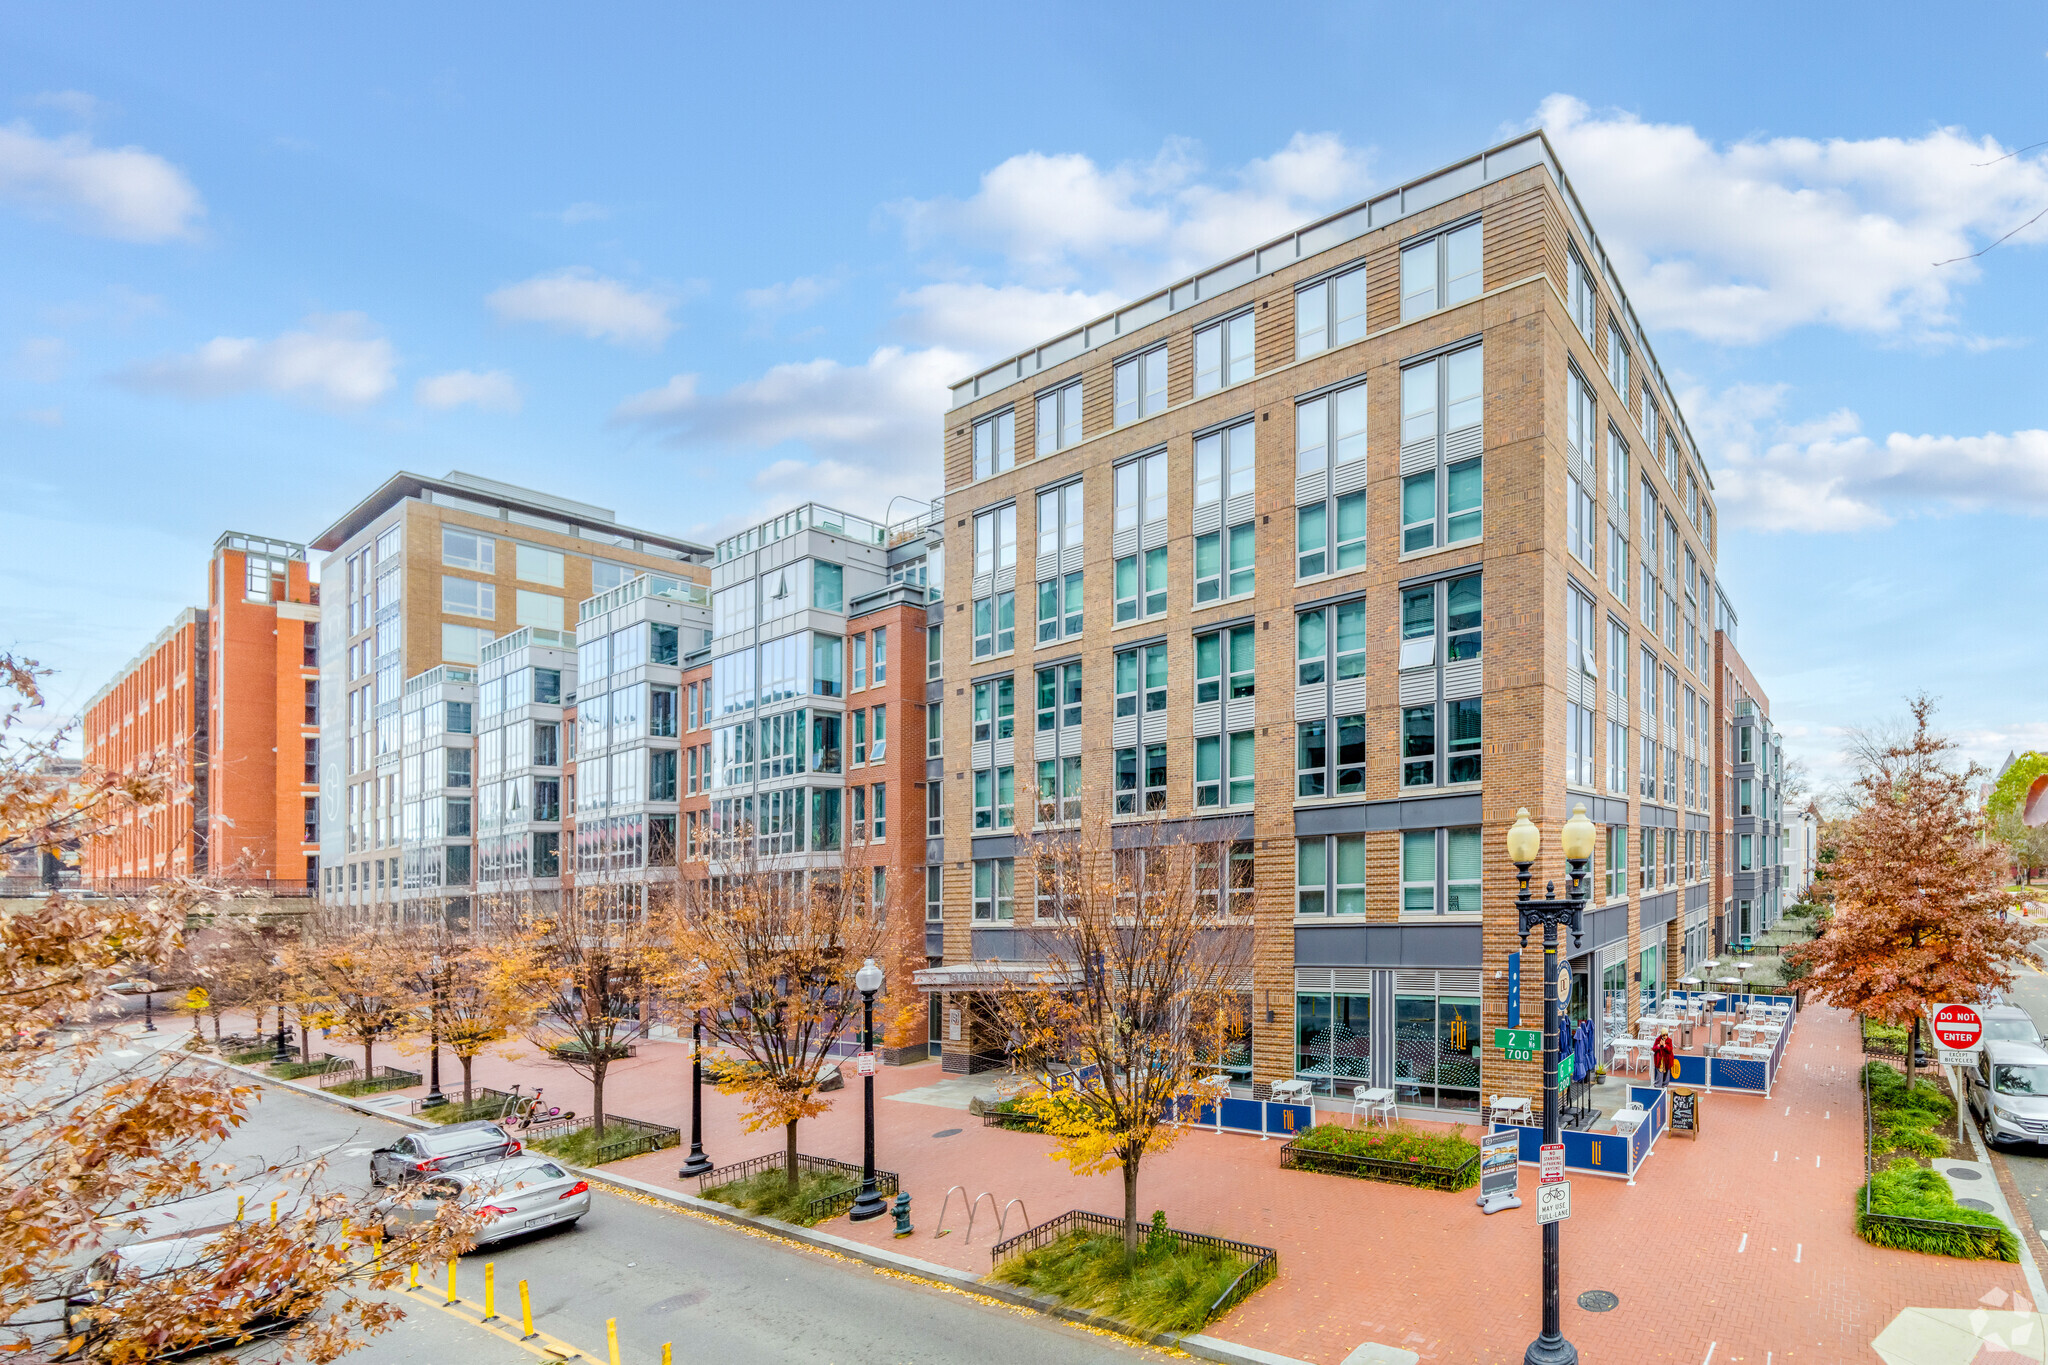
993 975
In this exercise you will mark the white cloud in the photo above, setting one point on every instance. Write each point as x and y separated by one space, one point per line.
581 301
76 103
41 360
1744 241
120 192
788 296
884 414
1055 215
584 212
1824 474
490 390
987 320
336 360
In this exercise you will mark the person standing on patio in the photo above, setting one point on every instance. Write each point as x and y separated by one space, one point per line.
1664 1055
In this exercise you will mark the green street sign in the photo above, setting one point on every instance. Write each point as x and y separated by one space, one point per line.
1564 1070
1522 1040
1515 1054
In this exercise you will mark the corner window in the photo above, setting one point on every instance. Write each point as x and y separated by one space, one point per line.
1223 353
1441 440
1440 271
1141 385
1583 296
1330 312
995 444
1059 418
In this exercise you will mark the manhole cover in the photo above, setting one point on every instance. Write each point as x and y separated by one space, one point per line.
1599 1301
1977 1204
946 1132
1964 1173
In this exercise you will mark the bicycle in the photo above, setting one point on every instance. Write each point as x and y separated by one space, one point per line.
523 1111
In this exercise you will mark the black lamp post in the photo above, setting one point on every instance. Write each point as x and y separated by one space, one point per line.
149 1007
434 1099
698 1162
1525 841
867 981
280 1057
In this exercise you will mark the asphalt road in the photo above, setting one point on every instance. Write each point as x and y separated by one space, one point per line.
2028 1161
718 1293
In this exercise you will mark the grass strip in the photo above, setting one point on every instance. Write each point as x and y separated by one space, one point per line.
1165 1287
767 1193
1944 1227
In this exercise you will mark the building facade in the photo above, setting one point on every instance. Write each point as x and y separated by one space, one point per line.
1334 557
154 714
422 574
1749 813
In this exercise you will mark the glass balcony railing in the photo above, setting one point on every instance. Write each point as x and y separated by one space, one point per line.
646 585
809 517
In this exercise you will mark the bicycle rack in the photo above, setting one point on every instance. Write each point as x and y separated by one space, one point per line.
975 1207
943 1206
1003 1217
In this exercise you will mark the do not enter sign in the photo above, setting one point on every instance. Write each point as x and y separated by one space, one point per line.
1958 1028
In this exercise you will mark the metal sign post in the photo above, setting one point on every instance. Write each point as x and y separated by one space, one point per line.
1554 1202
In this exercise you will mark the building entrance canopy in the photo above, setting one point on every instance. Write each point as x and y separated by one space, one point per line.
994 975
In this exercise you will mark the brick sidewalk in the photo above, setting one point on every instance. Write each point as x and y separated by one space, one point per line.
1361 1261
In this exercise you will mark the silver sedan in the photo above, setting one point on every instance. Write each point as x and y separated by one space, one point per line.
523 1194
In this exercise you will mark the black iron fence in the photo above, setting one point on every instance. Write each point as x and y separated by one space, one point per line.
1261 1263
824 1206
1295 1157
623 1137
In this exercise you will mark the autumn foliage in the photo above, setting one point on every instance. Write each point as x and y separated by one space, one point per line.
1921 913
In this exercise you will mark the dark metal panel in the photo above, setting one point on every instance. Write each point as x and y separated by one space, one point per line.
1605 926
1660 909
1388 945
994 846
934 941
1414 812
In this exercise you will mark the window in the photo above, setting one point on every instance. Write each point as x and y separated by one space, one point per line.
1650 424
468 550
860 663
880 804
1617 707
1581 520
934 810
1140 778
1224 769
662 644
1584 298
1329 646
1059 544
1440 271
1059 418
1059 721
1617 356
1225 502
860 739
879 747
537 609
934 654
828 585
995 624
1582 674
995 710
995 890
1441 439
1232 650
1141 385
1329 456
1140 515
1617 861
1329 313
1744 800
467 597
857 814
661 711
934 731
1647 670
995 443
535 565
934 895
881 655
605 575
462 644
1649 859
1329 875
1223 354
661 774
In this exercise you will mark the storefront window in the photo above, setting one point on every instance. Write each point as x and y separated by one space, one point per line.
1653 976
1457 1038
1333 1040
1614 997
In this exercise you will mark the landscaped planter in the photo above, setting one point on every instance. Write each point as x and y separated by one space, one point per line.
843 1181
1247 1266
577 1052
1015 1120
623 1137
1394 1170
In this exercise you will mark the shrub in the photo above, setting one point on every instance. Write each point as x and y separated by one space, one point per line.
455 1111
1166 1287
1905 1190
584 1148
1903 1121
767 1193
1398 1143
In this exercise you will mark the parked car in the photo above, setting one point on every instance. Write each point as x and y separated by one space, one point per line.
521 1195
435 1151
2007 1091
2009 1024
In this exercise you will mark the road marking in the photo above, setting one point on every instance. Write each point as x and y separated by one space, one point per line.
1710 1353
1788 1111
1774 1156
543 1345
1798 1250
1743 1245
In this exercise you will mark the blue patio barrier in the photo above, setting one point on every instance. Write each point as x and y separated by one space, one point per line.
1608 1154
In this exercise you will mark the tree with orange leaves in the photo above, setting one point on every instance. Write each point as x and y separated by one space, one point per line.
94 1149
1921 914
767 958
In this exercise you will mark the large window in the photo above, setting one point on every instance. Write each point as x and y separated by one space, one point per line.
1141 385
1440 271
467 597
541 609
1329 875
1330 312
1059 546
1223 353
1226 548
1059 418
1329 648
467 550
1333 1039
1440 871
1436 1040
1617 707
1441 438
995 891
536 565
995 443
1140 517
1329 472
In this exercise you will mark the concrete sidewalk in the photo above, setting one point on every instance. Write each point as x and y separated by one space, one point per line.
1740 1242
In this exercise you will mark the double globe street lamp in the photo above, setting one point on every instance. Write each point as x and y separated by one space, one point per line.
1525 841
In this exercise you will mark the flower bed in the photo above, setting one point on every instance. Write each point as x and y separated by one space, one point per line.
1400 1155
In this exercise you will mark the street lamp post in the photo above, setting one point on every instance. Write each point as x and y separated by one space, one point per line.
698 1162
867 981
1525 841
280 1057
149 1008
434 1099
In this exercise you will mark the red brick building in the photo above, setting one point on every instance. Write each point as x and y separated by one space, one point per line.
153 714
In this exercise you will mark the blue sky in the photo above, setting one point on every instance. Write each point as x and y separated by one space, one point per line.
697 265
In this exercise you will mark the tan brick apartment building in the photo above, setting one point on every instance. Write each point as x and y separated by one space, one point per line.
227 697
1345 550
1749 815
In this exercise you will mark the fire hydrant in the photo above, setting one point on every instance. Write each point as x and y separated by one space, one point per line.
902 1211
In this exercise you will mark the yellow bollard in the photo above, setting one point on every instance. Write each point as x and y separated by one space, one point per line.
377 1250
273 1213
665 1353
451 1279
412 1274
611 1339
490 1290
525 1312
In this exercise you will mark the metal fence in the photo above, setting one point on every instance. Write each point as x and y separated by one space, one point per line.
1262 1263
623 1137
1986 1243
1295 1157
826 1205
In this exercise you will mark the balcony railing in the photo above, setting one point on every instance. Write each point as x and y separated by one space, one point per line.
809 517
646 585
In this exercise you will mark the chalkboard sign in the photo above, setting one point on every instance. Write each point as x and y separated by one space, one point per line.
1685 1112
